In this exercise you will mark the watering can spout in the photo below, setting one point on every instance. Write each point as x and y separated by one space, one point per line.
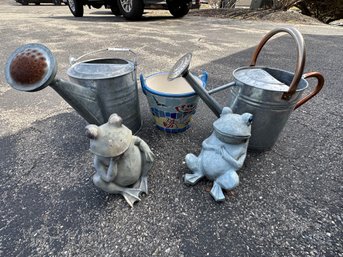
33 67
82 99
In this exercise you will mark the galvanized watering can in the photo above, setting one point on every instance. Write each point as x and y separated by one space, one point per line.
269 94
99 86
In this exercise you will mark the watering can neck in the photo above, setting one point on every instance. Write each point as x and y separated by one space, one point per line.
82 99
181 69
205 96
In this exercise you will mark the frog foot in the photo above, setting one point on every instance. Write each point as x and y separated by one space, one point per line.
192 179
229 180
144 185
217 192
131 195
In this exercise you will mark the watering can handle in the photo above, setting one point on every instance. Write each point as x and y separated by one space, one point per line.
299 40
316 90
74 60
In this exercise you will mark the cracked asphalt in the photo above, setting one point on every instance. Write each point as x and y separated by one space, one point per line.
288 203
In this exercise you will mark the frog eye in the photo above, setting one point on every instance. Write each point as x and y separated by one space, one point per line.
92 131
251 119
226 110
248 118
115 120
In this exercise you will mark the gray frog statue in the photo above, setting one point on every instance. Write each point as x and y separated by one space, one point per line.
121 160
222 154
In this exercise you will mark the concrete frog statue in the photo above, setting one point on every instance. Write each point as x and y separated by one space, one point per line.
222 154
121 160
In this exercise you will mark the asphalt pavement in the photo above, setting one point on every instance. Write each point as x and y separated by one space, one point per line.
288 203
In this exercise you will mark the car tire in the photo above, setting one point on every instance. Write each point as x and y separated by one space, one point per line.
76 7
131 9
178 8
114 8
24 2
57 2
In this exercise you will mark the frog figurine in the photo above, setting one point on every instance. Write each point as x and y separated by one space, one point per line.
222 154
121 160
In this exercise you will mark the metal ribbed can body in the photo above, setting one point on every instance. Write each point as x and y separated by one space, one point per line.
117 94
270 111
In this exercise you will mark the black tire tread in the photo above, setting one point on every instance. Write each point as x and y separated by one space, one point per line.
178 8
114 8
78 8
136 12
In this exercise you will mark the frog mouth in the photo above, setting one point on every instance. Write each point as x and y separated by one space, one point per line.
230 139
